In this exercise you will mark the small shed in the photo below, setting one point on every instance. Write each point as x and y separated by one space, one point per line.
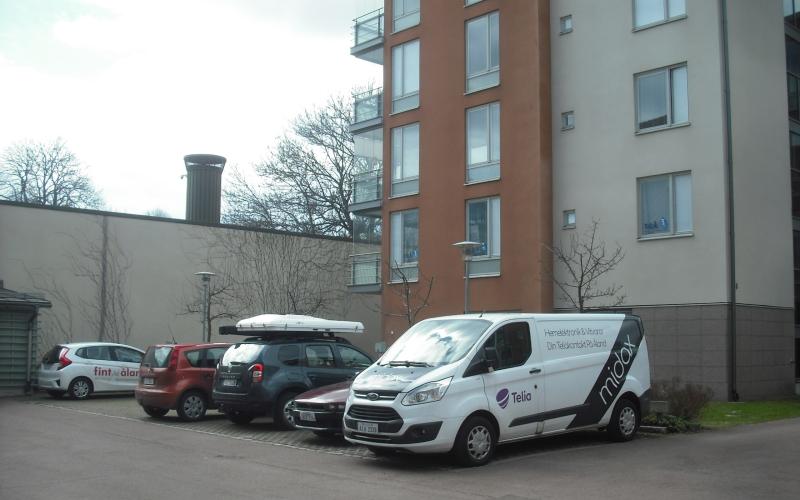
19 314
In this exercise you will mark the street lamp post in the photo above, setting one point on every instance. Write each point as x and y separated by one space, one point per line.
205 276
465 247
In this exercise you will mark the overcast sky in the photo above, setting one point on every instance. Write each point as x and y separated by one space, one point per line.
134 85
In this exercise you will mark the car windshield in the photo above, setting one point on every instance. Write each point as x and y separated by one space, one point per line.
435 342
242 353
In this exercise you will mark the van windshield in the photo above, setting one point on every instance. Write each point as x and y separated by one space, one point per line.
435 342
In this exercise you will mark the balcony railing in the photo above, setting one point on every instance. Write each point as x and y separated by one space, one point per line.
366 269
368 27
368 186
367 106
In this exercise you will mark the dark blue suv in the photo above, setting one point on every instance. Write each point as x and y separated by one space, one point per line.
260 377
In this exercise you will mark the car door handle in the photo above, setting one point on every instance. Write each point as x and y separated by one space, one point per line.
535 370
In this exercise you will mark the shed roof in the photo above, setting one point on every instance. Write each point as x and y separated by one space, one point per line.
12 298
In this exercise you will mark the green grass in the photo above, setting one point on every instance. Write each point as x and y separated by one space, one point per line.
717 414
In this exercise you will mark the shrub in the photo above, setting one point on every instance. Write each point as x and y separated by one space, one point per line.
671 422
685 400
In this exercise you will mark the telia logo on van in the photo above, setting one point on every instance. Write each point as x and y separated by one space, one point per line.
504 397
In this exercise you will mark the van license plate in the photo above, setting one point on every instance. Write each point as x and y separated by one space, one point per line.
308 416
148 381
368 427
229 382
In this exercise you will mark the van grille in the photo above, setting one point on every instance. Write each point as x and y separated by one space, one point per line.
373 413
382 395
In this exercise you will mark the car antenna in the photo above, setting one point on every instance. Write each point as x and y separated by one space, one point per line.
481 314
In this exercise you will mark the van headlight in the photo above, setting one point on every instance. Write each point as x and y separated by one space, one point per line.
427 393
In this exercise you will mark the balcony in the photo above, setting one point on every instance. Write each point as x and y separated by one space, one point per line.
367 110
368 37
365 273
367 192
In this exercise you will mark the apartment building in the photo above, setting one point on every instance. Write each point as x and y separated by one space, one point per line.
515 124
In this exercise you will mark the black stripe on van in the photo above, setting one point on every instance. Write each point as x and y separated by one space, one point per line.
547 415
613 374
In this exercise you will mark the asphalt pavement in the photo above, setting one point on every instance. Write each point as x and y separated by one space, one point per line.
106 448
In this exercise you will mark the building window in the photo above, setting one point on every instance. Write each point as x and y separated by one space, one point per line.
405 160
650 12
405 14
483 143
483 226
662 98
791 12
405 76
470 2
405 245
483 52
568 120
569 219
566 25
665 205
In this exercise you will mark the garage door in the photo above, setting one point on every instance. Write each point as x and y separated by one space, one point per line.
14 350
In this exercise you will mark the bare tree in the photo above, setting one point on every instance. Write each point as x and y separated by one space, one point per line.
414 297
105 264
264 271
62 314
583 262
222 299
46 174
306 184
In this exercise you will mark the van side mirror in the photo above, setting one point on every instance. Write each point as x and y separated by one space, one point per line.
490 356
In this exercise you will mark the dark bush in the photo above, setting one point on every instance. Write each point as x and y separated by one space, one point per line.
671 422
685 400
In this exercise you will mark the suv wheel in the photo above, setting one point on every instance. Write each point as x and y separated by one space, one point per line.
282 413
239 417
192 406
80 388
475 442
155 412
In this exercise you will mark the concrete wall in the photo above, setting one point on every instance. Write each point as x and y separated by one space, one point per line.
596 165
42 250
762 185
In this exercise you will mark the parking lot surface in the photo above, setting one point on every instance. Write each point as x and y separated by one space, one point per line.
106 448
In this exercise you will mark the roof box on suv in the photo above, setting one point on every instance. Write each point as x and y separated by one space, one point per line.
267 324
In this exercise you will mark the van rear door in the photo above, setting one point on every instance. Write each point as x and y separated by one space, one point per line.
515 388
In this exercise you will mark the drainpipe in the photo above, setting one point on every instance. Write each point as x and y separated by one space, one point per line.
733 394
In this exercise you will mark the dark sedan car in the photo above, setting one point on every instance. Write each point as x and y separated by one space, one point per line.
321 410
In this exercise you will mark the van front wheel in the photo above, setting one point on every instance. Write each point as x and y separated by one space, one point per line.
624 421
475 442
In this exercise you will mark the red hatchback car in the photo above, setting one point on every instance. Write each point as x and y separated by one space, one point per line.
178 377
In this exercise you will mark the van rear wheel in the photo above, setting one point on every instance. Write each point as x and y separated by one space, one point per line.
475 442
624 422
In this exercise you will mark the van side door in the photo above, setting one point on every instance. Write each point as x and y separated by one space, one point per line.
514 387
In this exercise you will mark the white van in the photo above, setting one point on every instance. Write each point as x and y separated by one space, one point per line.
467 383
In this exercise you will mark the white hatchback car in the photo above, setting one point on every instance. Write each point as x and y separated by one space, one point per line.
83 368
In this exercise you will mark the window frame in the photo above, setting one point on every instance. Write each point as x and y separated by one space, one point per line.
563 29
402 270
669 91
315 346
673 233
501 330
489 70
405 15
565 223
488 264
566 118
413 180
490 163
664 20
407 100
